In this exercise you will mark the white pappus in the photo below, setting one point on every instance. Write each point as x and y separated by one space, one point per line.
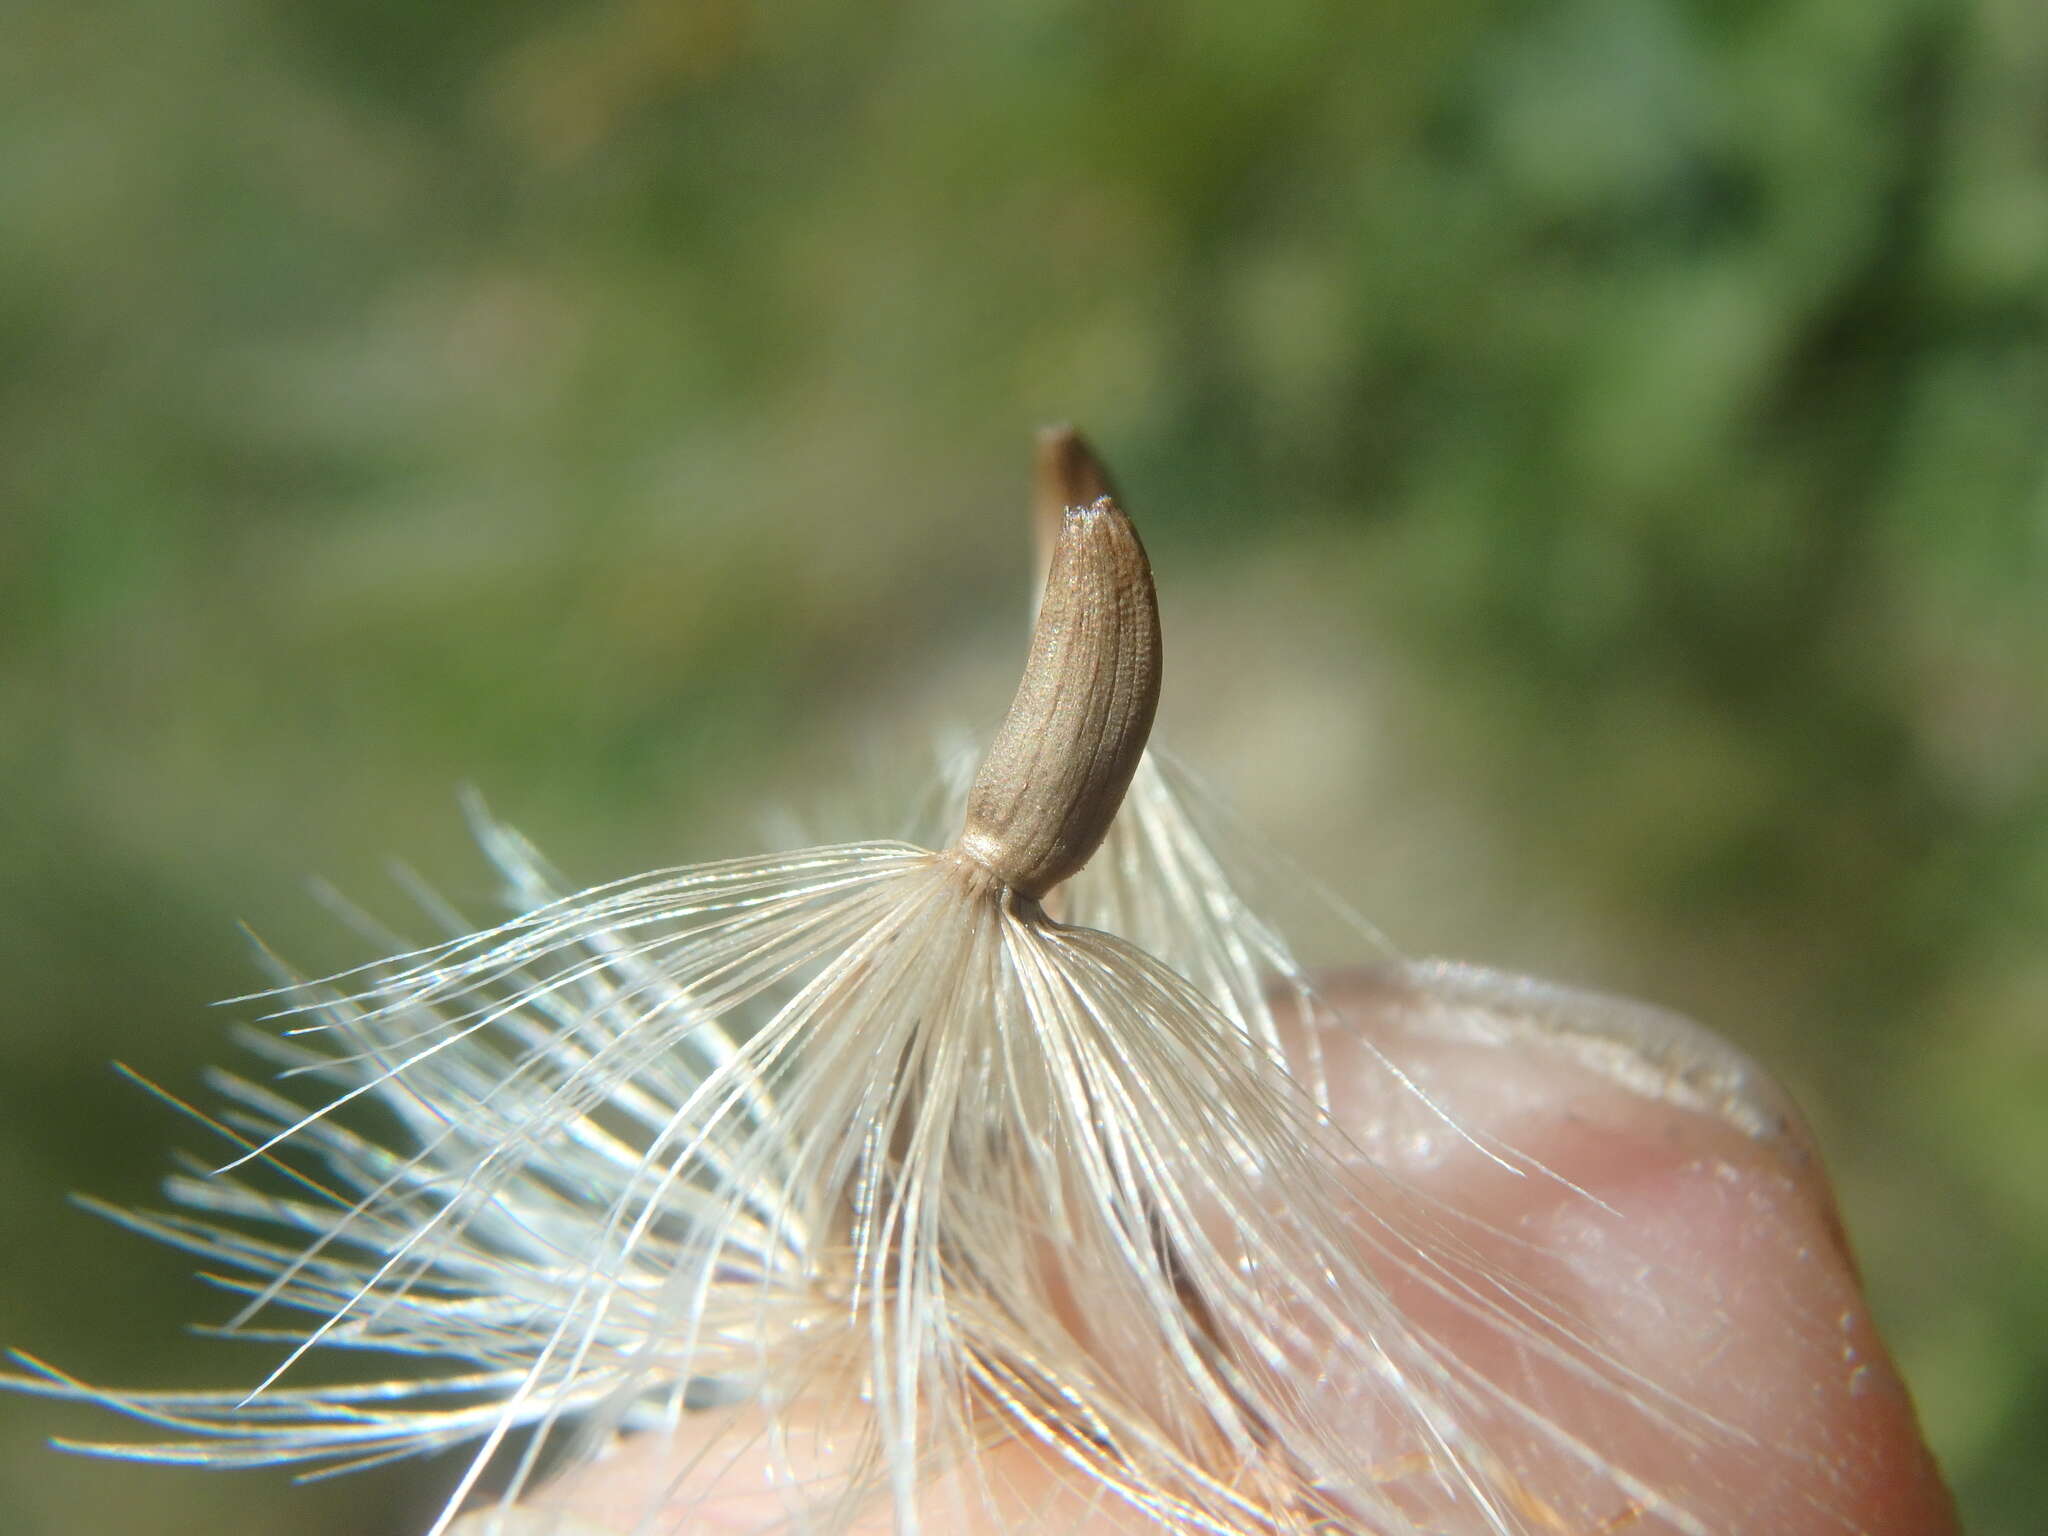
910 1167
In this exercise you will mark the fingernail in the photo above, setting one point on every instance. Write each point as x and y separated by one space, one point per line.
1499 1050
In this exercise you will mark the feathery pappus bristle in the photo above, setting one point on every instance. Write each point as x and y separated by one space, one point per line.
971 1154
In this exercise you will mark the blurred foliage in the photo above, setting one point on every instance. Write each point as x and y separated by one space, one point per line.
1600 450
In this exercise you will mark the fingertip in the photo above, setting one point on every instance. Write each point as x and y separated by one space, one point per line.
1646 1179
1653 1190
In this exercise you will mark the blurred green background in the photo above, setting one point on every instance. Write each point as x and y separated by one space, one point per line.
1595 453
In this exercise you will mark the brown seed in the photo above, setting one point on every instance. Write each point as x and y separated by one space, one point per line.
1056 774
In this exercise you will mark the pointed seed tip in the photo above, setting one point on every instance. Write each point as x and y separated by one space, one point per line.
1100 507
1068 467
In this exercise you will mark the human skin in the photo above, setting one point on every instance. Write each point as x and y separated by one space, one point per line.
1665 1193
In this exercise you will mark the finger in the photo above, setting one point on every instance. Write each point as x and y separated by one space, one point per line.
1649 1183
1672 1201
